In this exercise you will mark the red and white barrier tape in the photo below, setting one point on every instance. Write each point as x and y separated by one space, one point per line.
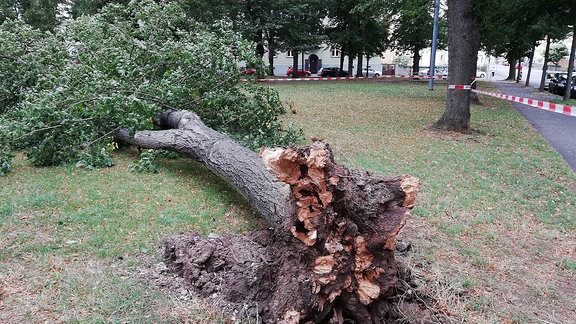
558 108
459 87
440 77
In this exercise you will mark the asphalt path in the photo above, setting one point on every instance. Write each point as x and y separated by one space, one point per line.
557 129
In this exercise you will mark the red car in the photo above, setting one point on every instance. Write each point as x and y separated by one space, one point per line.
248 71
301 73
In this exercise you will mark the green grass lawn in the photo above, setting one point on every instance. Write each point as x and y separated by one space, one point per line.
493 232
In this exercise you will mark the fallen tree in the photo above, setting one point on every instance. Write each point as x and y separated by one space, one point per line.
329 253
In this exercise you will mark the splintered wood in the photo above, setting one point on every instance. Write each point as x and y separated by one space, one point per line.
306 176
354 218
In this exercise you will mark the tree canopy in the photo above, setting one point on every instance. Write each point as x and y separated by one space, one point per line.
414 22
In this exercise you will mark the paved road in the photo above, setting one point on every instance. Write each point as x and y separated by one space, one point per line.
558 129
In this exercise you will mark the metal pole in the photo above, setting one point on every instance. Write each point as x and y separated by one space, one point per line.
434 41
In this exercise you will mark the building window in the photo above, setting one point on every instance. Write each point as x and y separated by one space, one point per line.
335 52
289 54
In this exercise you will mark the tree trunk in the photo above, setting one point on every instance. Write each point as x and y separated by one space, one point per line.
511 69
416 62
294 64
330 253
568 92
530 61
359 66
463 45
271 53
185 133
545 65
351 65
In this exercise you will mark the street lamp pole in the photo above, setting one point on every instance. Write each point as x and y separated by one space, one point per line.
434 41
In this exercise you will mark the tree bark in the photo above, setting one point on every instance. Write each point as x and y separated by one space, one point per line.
530 61
545 65
185 133
568 92
511 69
463 45
330 253
295 64
416 61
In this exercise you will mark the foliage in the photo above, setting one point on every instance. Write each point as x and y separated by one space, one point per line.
414 22
505 32
146 163
5 161
300 26
358 27
91 7
40 14
24 57
121 67
557 52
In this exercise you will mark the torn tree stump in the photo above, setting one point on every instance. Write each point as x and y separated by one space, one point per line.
330 253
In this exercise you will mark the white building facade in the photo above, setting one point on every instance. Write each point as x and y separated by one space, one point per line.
319 58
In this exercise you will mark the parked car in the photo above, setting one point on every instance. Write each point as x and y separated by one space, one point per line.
561 86
371 73
437 72
248 71
480 74
332 71
301 73
555 79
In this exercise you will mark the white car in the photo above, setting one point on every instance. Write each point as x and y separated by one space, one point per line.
371 72
438 72
480 74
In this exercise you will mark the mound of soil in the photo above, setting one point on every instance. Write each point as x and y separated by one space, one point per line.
235 275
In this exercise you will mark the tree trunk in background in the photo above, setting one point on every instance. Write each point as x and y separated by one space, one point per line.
463 45
511 69
569 83
359 67
545 66
530 61
271 52
351 65
294 64
329 255
416 62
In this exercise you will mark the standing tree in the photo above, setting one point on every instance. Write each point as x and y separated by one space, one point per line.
358 28
463 45
568 93
300 28
414 21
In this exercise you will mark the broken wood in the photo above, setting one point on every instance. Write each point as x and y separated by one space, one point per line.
330 253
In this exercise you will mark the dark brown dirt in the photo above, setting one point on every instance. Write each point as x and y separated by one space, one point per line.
236 275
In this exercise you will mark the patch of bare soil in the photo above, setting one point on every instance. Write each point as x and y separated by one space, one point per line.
236 275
